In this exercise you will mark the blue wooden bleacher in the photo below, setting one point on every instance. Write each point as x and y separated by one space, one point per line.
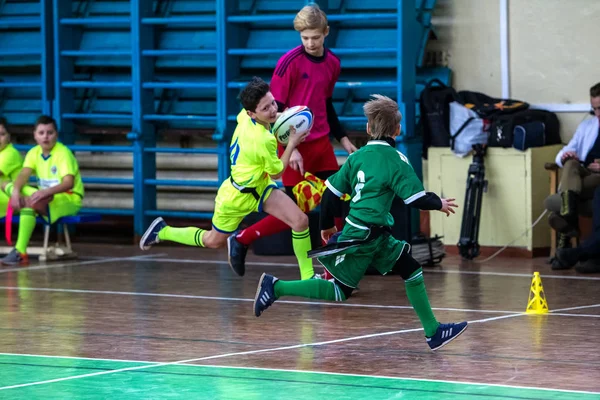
151 68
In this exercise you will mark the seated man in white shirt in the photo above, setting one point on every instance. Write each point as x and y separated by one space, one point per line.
580 161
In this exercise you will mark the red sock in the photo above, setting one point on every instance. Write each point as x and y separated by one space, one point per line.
265 227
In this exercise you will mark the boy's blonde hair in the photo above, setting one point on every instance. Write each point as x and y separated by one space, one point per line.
382 115
310 17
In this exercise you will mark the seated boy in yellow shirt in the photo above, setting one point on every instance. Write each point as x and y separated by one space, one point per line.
59 186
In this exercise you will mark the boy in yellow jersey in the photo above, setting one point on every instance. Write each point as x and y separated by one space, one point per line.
250 188
59 185
11 163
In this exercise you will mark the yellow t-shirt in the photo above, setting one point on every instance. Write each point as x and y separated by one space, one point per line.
253 153
11 163
52 169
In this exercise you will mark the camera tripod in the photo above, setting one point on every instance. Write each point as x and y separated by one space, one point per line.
476 185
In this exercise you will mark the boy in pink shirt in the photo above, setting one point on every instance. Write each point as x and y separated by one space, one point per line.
305 75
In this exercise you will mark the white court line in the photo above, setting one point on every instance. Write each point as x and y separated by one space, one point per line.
80 263
80 358
189 296
102 261
304 372
241 353
249 300
425 269
544 276
576 315
247 353
225 262
395 378
576 308
319 303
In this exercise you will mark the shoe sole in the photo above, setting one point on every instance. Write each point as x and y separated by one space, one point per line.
148 232
11 264
229 256
260 281
449 341
561 267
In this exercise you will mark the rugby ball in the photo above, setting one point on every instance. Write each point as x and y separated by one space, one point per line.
298 116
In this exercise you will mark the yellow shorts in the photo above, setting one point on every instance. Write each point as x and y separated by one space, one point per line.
232 206
62 204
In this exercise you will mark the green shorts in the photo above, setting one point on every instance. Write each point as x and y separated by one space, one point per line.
232 206
349 266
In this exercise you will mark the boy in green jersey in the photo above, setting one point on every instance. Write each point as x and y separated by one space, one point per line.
60 189
11 163
372 175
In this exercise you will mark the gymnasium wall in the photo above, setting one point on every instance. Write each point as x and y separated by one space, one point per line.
553 50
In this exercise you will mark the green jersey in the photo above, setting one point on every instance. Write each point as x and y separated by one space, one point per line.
373 175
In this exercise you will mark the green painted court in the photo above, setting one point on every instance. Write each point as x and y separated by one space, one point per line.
79 378
173 326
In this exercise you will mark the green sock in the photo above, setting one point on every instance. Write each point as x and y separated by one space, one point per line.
191 236
26 227
417 295
310 288
8 189
302 245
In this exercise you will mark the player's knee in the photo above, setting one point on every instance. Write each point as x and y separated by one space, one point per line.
213 241
300 222
406 266
572 163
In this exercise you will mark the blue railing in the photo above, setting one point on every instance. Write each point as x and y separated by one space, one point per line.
139 89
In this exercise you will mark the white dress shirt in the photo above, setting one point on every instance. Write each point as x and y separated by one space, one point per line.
583 140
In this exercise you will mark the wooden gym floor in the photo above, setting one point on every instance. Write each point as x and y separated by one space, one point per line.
177 323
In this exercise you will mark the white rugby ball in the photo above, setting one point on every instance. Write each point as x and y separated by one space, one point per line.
298 116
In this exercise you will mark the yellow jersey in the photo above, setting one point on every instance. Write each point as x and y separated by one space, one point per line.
50 170
11 163
253 153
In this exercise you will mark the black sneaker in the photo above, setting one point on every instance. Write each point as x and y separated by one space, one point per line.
150 237
590 266
445 334
265 294
236 254
567 258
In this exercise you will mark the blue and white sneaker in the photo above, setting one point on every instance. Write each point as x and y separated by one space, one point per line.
151 235
236 254
15 258
445 334
265 294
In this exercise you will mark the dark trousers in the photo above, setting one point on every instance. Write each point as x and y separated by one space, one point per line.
591 246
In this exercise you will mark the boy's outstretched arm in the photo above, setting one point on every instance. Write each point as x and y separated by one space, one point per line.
432 201
409 188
